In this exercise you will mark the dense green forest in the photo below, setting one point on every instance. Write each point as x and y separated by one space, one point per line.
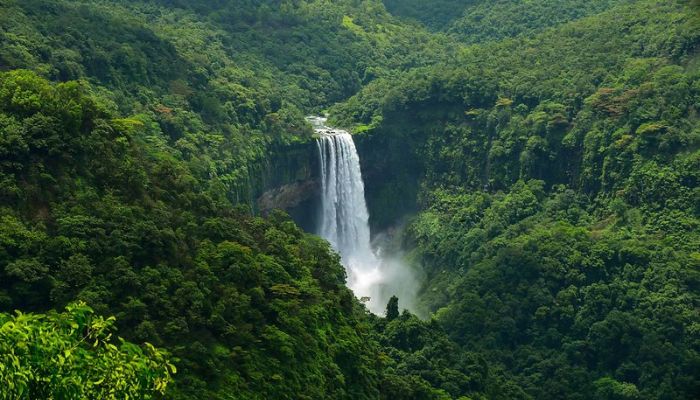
542 158
475 21
559 227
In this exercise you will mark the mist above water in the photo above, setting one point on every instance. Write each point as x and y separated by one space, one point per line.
374 277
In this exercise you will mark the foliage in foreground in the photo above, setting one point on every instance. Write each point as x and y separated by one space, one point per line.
72 355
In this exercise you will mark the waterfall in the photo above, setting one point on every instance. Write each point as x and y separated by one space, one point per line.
344 217
373 277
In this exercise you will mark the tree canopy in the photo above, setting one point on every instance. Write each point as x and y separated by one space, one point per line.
72 355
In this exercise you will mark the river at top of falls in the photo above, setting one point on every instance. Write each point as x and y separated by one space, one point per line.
344 221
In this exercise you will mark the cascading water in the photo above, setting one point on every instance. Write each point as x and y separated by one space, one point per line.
344 220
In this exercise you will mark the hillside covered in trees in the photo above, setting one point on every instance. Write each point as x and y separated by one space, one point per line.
538 161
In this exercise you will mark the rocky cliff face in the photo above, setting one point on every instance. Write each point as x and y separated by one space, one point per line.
289 196
288 180
391 174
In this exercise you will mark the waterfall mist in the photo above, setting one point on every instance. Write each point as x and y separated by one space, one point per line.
373 276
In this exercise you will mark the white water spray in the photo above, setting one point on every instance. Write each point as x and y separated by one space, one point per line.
344 223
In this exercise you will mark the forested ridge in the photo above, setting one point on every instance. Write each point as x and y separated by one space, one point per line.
548 151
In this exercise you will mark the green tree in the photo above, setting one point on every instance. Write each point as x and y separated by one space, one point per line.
392 308
610 389
73 356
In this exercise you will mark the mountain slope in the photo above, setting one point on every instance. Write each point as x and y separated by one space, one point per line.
497 20
92 209
478 21
559 192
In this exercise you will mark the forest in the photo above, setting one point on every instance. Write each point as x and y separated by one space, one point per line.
535 164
